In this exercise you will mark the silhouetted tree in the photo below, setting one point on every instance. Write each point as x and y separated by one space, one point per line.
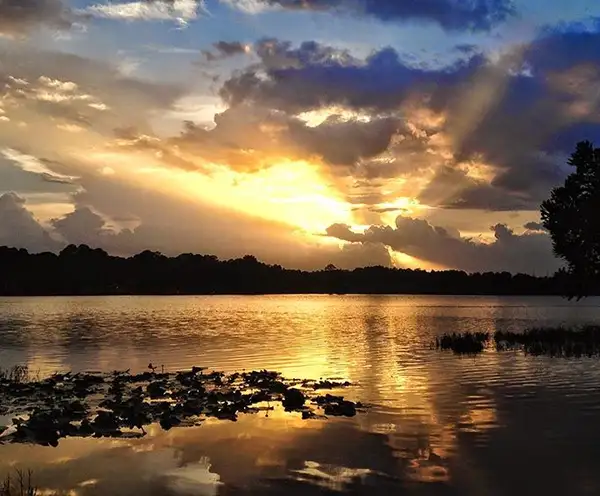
81 270
572 216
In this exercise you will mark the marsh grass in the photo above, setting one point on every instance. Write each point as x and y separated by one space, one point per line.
552 341
539 341
19 374
19 484
463 343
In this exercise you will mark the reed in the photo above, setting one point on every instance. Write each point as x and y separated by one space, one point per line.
463 343
19 484
552 341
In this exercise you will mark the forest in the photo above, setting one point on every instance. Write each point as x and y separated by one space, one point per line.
81 270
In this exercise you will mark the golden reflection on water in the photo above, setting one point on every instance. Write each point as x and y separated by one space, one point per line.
430 413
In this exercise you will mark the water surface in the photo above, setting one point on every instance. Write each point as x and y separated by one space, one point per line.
439 424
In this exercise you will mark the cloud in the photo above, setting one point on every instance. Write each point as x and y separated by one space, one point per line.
487 133
344 142
18 227
315 76
19 17
53 95
477 15
517 115
534 226
526 253
180 11
224 49
25 174
251 138
82 226
343 232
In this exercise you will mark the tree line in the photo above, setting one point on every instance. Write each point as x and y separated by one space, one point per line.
81 270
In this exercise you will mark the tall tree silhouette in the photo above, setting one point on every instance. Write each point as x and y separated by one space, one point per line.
572 216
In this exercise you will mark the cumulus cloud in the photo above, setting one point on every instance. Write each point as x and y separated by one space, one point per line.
477 15
380 128
519 115
527 253
82 226
19 228
314 76
251 138
19 17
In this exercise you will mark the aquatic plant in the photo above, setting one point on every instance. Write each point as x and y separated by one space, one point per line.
18 374
552 341
463 343
19 485
548 341
120 404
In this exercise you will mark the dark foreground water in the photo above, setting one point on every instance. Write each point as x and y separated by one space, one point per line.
496 424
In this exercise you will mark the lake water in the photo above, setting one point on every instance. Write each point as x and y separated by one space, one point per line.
495 424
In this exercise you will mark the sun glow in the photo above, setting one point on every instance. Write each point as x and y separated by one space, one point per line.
291 192
294 193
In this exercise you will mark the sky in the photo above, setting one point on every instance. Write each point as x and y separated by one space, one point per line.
415 134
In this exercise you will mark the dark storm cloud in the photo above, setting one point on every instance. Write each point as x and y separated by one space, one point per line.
18 17
527 253
475 15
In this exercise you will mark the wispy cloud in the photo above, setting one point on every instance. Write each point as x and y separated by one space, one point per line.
250 6
180 11
31 164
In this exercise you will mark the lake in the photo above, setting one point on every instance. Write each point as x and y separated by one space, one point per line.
439 424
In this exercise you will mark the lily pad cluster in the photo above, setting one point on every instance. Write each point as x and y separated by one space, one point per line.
120 404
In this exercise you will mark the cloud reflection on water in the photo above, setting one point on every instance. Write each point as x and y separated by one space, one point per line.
439 424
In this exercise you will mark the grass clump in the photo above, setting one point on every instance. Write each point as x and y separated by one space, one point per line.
19 374
18 485
538 341
463 343
552 341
